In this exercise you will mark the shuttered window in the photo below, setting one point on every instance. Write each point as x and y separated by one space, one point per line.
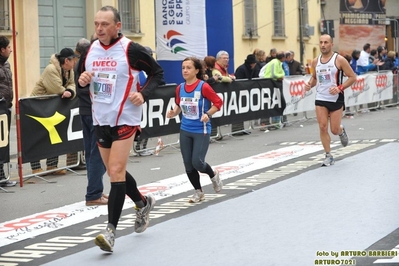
250 18
279 19
305 18
4 15
130 15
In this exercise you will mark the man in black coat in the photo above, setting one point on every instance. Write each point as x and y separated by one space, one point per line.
244 71
296 68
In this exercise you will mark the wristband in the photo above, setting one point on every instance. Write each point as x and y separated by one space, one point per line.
341 88
209 116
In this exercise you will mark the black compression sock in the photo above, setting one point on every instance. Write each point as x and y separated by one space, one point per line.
116 199
133 192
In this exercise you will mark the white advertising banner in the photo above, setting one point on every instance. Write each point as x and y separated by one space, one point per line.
369 88
296 98
180 29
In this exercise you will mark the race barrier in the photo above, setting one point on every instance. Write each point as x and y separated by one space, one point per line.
50 126
4 143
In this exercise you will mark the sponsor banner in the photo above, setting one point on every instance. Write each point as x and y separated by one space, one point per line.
243 100
361 22
50 126
4 134
362 12
370 88
181 29
180 33
297 99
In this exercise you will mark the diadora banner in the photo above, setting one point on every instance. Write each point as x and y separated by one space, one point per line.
243 100
49 127
4 134
183 28
368 88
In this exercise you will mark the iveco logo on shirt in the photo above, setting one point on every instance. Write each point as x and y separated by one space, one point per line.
105 63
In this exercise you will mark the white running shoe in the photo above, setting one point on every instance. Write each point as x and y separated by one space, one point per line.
106 239
197 197
344 137
216 182
329 160
143 214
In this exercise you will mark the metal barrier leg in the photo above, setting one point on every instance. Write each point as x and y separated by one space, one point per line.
40 177
160 145
216 135
73 161
237 132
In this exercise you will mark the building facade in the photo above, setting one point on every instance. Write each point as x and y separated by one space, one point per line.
44 27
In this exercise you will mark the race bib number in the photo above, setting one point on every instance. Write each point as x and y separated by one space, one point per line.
189 108
104 87
324 77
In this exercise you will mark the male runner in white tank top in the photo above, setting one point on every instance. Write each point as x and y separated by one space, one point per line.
111 69
329 70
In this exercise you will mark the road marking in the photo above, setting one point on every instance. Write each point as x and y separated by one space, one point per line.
48 221
50 246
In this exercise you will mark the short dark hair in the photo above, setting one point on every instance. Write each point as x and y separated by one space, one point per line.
117 16
280 55
366 46
355 53
4 41
197 65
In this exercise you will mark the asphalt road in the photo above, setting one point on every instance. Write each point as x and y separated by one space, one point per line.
381 124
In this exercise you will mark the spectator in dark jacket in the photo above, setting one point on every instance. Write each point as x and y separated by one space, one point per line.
272 55
260 56
353 61
246 70
295 67
94 164
389 62
6 93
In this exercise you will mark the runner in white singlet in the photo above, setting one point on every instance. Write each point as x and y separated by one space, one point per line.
112 65
327 76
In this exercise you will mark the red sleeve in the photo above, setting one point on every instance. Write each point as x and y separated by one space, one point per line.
177 96
210 94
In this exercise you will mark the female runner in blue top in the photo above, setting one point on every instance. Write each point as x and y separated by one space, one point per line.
197 102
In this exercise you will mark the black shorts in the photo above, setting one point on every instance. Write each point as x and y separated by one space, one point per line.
106 134
331 106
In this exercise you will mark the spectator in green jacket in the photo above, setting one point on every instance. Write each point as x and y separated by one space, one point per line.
274 69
